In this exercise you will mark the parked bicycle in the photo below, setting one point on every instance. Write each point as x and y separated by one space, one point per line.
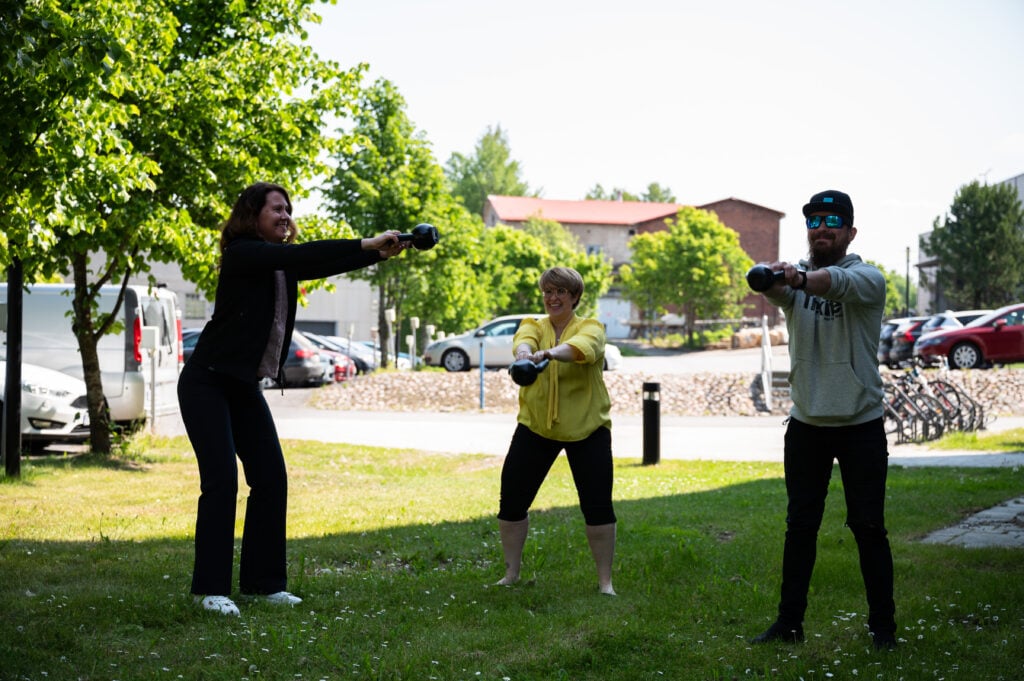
919 407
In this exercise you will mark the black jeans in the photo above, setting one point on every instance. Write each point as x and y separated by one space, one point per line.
530 457
862 453
224 417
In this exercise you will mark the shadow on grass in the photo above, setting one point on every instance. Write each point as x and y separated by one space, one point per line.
697 573
50 459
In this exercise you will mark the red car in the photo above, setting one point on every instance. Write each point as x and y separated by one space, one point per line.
996 338
339 367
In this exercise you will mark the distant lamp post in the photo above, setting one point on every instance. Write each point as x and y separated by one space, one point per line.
414 324
906 288
390 316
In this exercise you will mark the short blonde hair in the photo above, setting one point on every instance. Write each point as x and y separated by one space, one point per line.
564 277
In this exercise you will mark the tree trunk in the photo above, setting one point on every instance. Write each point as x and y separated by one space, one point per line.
84 328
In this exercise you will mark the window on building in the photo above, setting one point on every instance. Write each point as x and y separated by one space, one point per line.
195 306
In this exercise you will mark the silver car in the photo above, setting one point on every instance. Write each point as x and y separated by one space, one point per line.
494 339
53 406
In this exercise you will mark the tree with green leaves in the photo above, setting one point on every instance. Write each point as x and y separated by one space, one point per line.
536 246
897 293
489 170
979 246
387 178
655 194
696 266
598 193
146 120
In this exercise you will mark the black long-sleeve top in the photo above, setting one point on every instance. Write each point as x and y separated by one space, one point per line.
235 338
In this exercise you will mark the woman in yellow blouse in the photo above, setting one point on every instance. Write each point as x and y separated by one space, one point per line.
566 408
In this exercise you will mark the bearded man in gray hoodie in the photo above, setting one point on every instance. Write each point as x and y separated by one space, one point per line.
833 302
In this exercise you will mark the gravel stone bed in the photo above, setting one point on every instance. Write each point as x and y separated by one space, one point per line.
1001 392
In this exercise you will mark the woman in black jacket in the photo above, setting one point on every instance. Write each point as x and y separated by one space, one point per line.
222 404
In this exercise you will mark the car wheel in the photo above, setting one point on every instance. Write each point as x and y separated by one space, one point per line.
455 360
965 356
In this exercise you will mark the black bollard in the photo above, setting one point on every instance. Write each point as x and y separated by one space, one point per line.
652 423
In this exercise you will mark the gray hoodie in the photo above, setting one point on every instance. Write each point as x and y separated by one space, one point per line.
833 345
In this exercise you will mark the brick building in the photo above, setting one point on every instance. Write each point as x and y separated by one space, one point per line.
607 226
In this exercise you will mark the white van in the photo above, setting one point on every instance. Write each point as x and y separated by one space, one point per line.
127 369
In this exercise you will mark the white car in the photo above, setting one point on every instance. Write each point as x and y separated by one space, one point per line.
53 406
462 352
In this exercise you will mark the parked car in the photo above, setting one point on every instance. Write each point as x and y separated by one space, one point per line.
462 352
304 365
338 367
903 338
188 342
885 338
941 322
995 338
361 358
401 362
53 406
612 357
365 358
131 375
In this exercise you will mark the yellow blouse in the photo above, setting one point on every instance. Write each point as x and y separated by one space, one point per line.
568 401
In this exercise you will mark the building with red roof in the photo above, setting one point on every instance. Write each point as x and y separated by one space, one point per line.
607 226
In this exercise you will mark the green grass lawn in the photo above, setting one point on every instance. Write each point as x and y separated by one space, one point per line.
395 553
1004 441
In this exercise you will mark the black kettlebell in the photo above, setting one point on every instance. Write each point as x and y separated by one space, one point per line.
524 372
423 236
761 278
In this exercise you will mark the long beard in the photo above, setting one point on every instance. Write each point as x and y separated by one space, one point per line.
823 256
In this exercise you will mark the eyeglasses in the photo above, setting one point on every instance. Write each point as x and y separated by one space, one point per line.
560 292
831 221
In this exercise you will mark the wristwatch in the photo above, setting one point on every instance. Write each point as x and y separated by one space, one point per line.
803 281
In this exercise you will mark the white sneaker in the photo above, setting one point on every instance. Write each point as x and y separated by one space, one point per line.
221 604
280 598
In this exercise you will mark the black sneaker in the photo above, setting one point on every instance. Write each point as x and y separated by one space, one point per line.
780 632
883 640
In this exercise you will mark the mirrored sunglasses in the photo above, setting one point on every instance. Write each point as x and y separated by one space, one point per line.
831 221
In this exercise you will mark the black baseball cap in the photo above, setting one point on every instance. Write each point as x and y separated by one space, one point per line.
831 201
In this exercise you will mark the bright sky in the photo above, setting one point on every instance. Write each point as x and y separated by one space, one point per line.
896 102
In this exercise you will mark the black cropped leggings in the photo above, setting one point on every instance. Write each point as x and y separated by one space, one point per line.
531 456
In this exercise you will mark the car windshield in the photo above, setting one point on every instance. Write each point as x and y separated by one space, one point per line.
987 319
505 328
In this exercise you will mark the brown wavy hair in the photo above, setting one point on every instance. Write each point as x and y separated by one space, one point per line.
244 218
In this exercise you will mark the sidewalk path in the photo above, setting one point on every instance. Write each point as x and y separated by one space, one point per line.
721 438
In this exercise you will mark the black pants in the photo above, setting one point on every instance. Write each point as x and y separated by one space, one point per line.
862 453
225 417
531 456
